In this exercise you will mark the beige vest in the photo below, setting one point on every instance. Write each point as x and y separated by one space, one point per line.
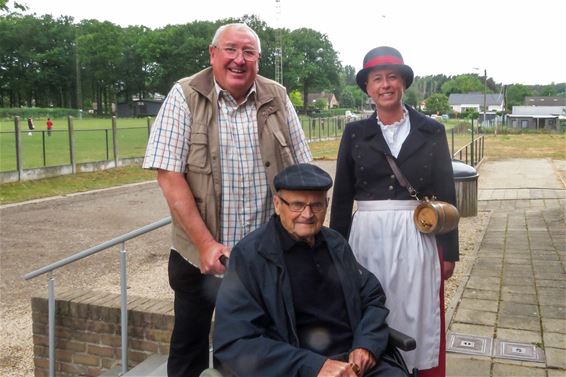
203 162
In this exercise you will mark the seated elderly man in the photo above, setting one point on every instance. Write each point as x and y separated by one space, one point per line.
294 301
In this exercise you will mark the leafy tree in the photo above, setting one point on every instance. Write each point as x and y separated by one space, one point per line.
350 75
463 84
352 96
296 99
313 63
437 104
515 95
411 98
321 104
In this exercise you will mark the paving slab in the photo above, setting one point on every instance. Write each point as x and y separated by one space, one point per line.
475 317
554 325
555 357
507 370
519 335
518 309
518 322
462 366
519 298
480 294
554 340
481 305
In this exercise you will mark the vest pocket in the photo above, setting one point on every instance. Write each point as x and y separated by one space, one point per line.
198 160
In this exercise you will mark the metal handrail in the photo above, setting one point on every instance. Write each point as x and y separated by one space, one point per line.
120 240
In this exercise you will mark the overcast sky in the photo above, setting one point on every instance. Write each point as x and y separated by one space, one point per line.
516 42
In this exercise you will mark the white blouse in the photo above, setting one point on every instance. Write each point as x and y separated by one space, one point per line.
396 133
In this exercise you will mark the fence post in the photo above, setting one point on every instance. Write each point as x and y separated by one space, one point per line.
107 147
19 166
114 141
71 129
148 126
43 145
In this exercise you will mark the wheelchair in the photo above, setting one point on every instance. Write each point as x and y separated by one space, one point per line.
398 341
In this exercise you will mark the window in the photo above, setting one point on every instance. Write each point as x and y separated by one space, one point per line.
524 123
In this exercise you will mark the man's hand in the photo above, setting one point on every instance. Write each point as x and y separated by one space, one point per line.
210 258
448 269
335 368
363 359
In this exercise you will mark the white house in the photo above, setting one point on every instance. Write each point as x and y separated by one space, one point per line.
462 101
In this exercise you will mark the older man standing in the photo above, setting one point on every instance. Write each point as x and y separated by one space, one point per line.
294 300
219 139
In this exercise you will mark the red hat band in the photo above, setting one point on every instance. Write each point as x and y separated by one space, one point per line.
382 60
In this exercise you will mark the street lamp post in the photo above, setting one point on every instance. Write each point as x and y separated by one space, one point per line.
484 94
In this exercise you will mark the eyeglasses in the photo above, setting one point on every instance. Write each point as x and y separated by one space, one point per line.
300 206
250 55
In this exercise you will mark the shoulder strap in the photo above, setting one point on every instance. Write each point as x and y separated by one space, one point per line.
400 177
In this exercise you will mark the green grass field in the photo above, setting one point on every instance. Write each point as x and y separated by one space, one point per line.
93 142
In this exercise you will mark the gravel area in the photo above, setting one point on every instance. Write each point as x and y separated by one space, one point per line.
40 232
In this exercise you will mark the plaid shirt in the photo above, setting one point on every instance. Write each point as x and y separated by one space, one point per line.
246 197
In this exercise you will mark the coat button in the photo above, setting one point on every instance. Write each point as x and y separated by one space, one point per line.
365 183
392 176
390 188
362 168
421 179
267 164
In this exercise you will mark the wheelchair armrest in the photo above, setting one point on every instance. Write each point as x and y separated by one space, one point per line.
402 341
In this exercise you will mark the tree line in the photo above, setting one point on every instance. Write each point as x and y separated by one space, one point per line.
57 62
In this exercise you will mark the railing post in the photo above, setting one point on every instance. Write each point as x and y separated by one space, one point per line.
71 129
115 141
148 126
19 164
452 132
124 307
51 323
472 145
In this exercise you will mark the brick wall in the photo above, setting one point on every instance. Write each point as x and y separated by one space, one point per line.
87 334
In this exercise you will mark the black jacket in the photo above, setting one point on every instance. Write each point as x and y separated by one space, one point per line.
255 333
362 172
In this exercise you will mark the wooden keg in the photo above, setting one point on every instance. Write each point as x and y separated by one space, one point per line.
436 217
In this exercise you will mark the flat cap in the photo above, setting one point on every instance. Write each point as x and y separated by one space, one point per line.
302 177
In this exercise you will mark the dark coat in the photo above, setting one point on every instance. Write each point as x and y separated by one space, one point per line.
255 332
362 171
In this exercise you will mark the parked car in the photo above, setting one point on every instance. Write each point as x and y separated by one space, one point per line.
350 116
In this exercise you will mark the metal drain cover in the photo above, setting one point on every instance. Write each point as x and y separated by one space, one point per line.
517 351
473 345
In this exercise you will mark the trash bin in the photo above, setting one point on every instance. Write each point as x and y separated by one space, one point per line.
466 182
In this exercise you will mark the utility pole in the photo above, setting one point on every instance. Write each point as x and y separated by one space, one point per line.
78 77
279 45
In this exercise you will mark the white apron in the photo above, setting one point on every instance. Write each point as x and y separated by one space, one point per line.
386 242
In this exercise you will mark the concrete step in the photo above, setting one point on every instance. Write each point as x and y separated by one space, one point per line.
153 366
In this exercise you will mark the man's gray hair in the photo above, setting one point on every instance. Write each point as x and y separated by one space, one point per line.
243 27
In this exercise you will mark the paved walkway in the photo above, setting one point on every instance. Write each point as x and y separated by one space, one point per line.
509 318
